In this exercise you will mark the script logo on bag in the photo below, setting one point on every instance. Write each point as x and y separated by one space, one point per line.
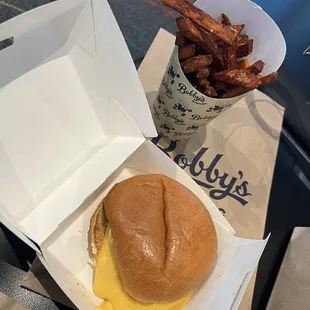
220 184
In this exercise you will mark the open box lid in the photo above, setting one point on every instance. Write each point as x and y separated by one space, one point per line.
72 109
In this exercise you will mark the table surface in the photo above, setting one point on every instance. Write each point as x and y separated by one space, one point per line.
138 34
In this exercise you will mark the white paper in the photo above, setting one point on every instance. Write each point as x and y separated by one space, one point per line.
72 104
236 260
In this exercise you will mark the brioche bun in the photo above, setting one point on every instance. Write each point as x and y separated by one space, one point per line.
164 240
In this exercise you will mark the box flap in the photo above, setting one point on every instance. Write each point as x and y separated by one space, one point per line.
123 77
71 111
41 219
236 262
88 33
83 299
41 184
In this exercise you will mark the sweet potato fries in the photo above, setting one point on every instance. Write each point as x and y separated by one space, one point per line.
212 53
203 20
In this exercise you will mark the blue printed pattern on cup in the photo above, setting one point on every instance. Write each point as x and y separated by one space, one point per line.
160 101
193 127
218 108
172 72
180 106
167 127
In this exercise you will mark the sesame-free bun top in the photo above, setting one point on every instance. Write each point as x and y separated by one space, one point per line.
164 239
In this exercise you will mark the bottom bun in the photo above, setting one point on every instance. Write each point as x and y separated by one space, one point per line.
98 226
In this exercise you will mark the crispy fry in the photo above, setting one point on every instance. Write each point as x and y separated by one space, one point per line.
244 64
268 78
225 20
203 73
199 50
210 47
212 70
230 57
210 91
244 48
238 77
243 38
204 83
189 30
180 40
203 20
234 92
257 67
195 63
207 47
186 52
238 28
221 87
207 89
218 41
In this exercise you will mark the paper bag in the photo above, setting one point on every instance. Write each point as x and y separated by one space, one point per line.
8 304
38 280
232 158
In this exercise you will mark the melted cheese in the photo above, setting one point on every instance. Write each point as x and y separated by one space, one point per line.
108 286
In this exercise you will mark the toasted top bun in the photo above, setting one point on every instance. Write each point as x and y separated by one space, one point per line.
164 239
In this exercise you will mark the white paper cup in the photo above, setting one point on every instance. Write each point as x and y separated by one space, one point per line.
180 109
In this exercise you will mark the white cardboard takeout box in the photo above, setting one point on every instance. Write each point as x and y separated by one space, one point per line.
73 116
